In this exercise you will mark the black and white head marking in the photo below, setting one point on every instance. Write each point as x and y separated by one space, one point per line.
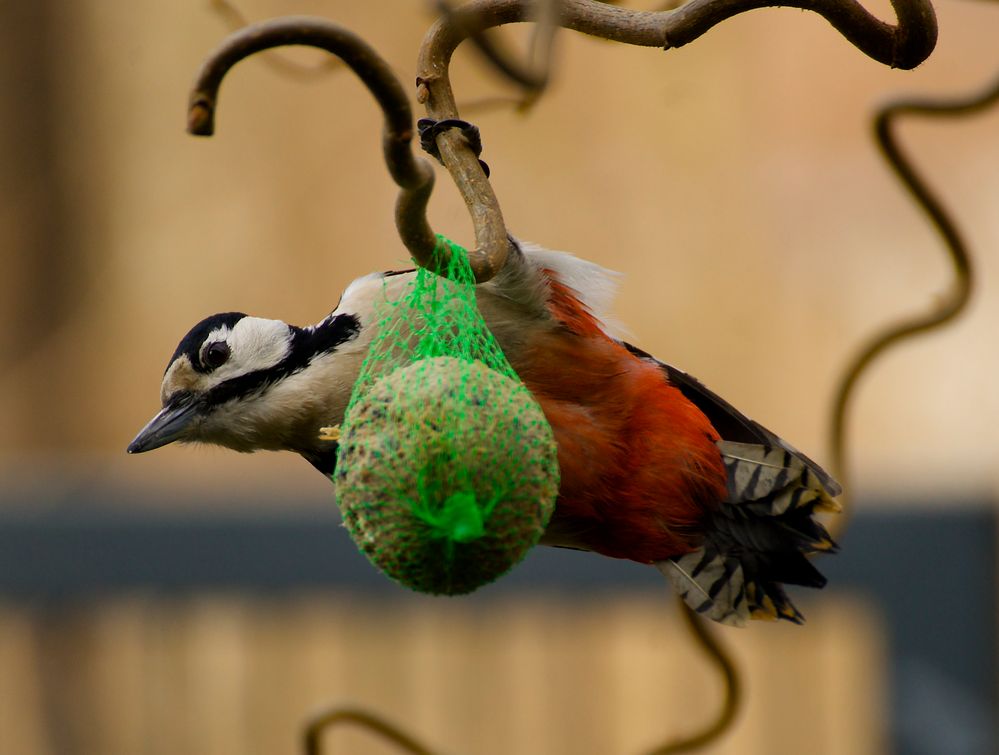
234 356
218 385
199 340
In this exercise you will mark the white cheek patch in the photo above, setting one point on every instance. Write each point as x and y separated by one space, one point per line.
256 344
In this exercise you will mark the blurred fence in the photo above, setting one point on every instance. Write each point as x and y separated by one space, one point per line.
237 676
129 629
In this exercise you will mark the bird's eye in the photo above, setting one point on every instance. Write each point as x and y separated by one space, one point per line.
215 355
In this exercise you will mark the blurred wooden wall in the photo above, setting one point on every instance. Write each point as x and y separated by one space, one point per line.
230 676
732 181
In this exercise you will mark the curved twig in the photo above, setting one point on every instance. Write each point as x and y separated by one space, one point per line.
733 689
235 20
414 176
944 308
323 722
532 76
903 46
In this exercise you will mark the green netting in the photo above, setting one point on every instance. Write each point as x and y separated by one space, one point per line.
447 471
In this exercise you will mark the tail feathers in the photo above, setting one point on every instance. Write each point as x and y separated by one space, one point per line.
710 583
778 475
759 538
715 586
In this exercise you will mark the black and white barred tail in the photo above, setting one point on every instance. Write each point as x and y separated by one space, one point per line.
759 538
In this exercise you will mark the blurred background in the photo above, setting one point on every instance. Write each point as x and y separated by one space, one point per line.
200 601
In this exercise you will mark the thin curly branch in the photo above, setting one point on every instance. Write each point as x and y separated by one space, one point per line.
732 699
235 20
532 76
944 308
413 175
325 721
904 46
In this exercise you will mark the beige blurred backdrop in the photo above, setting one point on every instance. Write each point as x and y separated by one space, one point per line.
733 182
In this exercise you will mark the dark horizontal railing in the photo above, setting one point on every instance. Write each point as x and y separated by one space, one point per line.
930 571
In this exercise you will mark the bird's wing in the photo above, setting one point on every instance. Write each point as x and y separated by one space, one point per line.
731 424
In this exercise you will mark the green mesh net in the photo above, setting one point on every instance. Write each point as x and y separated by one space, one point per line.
447 471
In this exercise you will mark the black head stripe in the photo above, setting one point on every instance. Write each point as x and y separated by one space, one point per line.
306 345
393 273
324 337
191 343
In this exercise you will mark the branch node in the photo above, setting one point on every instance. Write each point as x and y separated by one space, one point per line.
201 116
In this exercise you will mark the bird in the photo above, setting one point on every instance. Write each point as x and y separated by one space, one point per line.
654 467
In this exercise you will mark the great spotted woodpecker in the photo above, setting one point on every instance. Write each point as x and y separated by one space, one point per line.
654 467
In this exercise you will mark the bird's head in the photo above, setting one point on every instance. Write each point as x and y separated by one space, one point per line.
248 383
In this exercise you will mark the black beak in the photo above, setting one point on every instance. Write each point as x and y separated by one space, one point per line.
169 425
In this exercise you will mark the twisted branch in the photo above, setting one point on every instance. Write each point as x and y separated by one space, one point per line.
323 722
733 689
326 720
533 76
902 46
235 20
944 308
